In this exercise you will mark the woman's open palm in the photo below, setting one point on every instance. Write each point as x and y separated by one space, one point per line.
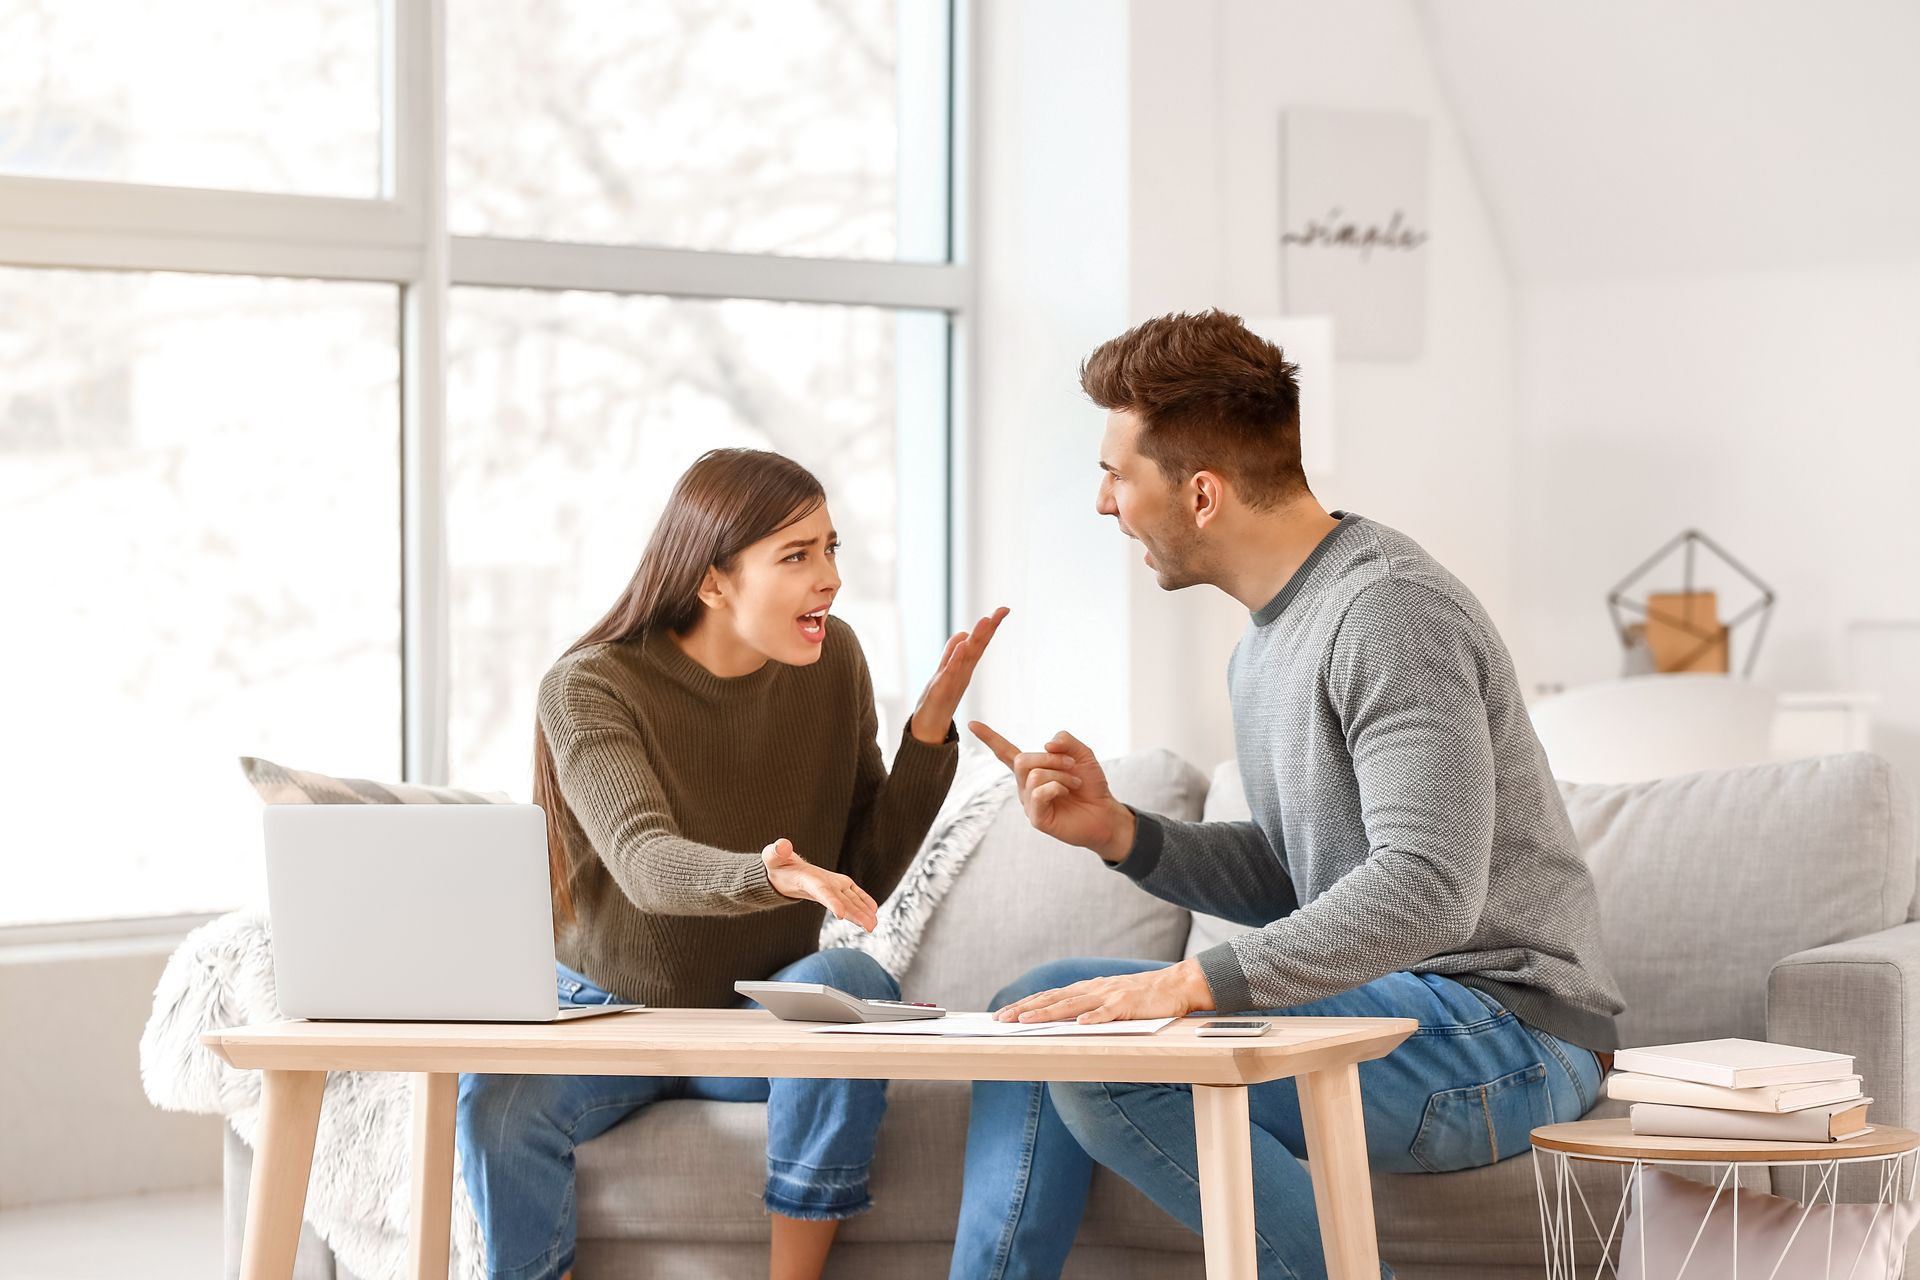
792 876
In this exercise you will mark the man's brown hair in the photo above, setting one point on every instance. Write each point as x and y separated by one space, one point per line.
1211 395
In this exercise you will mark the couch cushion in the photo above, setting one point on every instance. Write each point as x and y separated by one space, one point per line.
694 1171
1827 844
1226 802
1487 1217
1707 879
1486 1221
1024 898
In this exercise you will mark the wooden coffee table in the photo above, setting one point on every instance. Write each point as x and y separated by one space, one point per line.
1321 1053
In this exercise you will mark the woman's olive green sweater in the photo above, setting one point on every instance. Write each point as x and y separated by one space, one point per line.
676 778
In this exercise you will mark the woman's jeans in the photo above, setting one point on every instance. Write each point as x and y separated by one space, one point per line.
517 1134
1464 1090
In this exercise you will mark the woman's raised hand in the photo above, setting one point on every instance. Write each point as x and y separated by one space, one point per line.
951 677
792 876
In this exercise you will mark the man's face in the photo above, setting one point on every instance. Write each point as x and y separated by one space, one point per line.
1148 508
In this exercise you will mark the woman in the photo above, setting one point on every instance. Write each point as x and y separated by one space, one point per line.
718 708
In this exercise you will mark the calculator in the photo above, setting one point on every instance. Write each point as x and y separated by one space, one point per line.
818 1002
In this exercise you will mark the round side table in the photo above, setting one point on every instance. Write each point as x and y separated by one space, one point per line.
1557 1146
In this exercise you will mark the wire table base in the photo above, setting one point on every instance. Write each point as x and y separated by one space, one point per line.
1562 1197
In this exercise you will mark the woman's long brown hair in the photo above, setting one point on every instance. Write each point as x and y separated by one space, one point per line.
727 501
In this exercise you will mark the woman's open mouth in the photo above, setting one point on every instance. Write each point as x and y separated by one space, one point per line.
814 625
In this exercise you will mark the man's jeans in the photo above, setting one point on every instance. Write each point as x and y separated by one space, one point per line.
517 1134
1464 1090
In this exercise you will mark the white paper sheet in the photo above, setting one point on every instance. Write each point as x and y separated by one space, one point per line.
982 1024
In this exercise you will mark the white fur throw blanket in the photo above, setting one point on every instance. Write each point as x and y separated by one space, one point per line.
222 976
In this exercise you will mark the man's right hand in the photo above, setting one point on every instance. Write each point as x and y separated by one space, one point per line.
1064 792
792 876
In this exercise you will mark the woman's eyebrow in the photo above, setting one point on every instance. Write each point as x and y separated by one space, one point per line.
832 536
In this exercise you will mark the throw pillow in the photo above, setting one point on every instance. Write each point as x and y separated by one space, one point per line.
278 784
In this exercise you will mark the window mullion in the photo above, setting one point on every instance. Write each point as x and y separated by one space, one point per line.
418 97
701 273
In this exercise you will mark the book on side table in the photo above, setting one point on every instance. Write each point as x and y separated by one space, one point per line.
1740 1089
1834 1122
1735 1063
1767 1098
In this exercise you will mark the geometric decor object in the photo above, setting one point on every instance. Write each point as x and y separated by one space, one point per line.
1681 631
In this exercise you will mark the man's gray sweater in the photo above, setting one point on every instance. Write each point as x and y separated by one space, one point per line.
1404 818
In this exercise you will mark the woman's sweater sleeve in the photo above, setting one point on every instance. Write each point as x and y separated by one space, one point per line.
617 799
892 811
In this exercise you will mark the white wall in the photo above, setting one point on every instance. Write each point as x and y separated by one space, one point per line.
1130 166
1050 222
1709 212
1648 138
1779 412
75 1121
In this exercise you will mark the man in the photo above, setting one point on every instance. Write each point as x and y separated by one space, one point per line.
1409 855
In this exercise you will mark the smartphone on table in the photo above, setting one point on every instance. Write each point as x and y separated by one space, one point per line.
1233 1028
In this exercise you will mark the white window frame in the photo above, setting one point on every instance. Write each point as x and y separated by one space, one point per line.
402 238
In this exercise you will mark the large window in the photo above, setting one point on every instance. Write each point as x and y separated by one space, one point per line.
216 93
793 127
320 436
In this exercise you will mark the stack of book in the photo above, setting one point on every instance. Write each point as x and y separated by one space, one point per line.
1740 1089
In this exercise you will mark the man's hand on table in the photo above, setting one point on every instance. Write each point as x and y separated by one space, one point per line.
1160 993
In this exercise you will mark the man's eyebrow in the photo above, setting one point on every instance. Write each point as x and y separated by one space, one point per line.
1109 468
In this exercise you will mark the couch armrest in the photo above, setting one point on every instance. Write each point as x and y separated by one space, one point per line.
1860 997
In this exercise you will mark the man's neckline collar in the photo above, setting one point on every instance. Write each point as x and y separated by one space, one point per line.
1273 608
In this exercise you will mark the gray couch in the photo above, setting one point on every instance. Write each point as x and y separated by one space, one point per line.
1775 901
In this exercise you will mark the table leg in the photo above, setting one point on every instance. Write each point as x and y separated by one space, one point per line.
1337 1157
282 1163
1224 1134
435 1095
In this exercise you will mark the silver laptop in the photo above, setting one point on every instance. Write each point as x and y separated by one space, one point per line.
414 912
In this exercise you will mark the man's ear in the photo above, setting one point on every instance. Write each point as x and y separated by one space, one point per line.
1208 494
711 593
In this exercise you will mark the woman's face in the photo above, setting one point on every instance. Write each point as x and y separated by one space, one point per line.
777 595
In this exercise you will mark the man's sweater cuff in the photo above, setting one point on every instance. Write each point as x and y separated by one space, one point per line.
1149 837
1226 978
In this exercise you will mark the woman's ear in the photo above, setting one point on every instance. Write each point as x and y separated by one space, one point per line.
712 591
